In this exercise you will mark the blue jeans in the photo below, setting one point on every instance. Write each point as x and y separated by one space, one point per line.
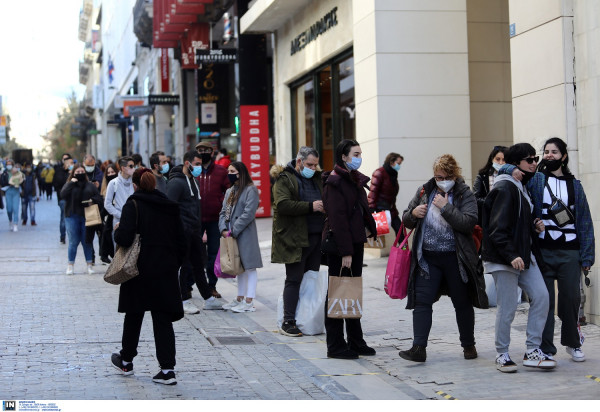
63 230
28 201
212 248
76 230
13 197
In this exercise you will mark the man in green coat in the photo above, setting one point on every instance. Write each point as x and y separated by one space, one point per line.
298 218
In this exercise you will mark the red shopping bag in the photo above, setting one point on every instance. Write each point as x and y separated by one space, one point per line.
398 267
217 267
383 220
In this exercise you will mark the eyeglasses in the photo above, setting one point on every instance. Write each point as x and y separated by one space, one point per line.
441 178
530 160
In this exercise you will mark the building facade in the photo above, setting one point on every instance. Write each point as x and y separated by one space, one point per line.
427 77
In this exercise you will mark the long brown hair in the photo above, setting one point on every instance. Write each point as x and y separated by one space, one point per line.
243 181
75 168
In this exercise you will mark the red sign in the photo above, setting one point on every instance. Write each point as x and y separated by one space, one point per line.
254 130
197 37
164 70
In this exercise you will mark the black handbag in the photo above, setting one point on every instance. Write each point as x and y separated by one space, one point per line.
328 245
559 212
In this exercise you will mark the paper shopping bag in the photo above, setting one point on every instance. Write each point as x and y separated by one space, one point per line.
344 297
230 257
92 215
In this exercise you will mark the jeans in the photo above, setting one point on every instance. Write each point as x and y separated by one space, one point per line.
335 327
294 272
564 267
532 282
212 248
13 197
443 267
28 201
76 230
164 337
63 230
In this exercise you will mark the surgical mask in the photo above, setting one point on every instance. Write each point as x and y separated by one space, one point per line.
18 169
28 169
165 168
496 166
89 169
446 185
396 167
195 170
307 173
70 168
354 164
9 167
233 177
205 157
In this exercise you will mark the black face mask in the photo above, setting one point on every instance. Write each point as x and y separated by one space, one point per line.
527 177
206 157
553 165
109 178
80 177
233 178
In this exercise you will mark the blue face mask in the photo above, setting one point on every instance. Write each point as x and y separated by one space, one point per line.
195 170
70 167
165 168
396 167
307 173
354 164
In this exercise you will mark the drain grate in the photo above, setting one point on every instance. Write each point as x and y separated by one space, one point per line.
235 340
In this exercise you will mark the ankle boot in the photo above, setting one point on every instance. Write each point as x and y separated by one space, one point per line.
414 354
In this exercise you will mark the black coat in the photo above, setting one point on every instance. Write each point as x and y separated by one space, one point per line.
75 193
346 206
461 215
178 190
60 178
156 288
481 187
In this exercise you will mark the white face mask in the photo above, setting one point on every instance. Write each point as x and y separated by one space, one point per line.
497 166
446 185
89 169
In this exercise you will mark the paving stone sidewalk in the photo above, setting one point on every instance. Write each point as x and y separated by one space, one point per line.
59 331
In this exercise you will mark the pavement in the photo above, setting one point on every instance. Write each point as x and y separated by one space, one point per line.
59 331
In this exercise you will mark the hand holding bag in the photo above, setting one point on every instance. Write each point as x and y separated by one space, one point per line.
230 256
398 267
345 297
92 215
124 265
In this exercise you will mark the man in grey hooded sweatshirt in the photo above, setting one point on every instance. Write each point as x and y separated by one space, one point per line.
510 253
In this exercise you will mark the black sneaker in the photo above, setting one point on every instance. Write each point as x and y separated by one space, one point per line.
289 328
105 260
505 364
62 240
470 352
347 354
117 362
363 350
165 378
414 354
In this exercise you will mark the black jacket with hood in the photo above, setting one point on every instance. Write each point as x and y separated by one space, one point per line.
184 190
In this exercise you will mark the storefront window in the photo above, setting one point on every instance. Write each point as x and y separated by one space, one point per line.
323 103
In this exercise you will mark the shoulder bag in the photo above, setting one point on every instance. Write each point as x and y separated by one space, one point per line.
124 265
559 212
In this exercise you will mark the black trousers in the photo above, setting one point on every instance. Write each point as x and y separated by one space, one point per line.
164 337
443 267
294 273
192 269
335 327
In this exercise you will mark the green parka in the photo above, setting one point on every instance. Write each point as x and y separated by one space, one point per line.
290 232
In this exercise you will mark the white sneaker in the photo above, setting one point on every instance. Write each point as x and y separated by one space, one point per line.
15 228
90 270
244 306
69 269
505 364
213 304
230 305
576 354
190 308
535 358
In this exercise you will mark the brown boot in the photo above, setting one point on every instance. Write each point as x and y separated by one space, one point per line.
414 354
470 352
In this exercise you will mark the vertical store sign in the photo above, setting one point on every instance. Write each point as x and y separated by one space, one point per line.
254 130
164 70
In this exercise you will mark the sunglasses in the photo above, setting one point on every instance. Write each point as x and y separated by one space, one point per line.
530 160
130 166
586 279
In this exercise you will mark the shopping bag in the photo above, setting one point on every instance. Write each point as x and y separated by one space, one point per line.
217 267
398 267
345 297
383 220
378 243
230 256
310 313
92 215
123 267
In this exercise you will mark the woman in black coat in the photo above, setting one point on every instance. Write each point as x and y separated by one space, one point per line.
156 289
443 213
486 176
345 203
